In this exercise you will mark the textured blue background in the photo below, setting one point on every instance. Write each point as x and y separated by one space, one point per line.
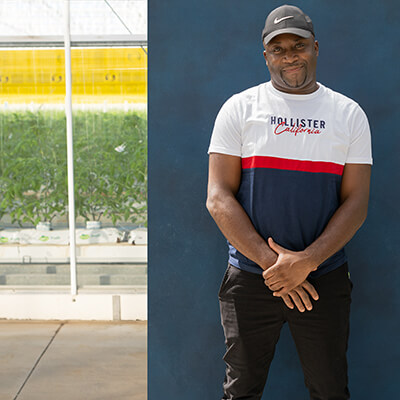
200 53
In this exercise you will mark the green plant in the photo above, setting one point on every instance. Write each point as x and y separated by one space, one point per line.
34 166
110 165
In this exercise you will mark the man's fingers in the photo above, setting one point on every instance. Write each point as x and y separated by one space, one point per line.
275 276
273 286
275 246
304 297
281 292
296 299
276 288
273 279
269 273
287 301
310 289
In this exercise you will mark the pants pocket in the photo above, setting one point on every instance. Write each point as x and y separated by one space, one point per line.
223 283
350 281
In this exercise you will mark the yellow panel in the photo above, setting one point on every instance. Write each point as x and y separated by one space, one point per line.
113 74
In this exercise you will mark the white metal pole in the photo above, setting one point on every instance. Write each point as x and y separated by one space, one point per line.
70 147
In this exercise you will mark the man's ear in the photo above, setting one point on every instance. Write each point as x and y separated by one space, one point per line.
265 57
316 46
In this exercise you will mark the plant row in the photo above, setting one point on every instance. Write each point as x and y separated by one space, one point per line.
110 165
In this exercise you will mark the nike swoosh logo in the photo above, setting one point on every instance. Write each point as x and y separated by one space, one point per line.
276 20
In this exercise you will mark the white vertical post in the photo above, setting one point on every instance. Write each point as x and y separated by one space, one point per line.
70 148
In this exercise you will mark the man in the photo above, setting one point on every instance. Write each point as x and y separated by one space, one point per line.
288 186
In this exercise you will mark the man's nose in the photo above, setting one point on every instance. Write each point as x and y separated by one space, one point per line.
290 57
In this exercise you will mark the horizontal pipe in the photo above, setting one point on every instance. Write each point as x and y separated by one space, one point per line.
76 41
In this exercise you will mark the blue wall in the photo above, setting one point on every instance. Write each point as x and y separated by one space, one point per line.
200 53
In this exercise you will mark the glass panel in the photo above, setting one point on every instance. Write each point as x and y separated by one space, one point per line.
32 168
110 133
88 17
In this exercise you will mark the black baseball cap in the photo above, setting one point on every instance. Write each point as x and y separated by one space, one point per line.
287 19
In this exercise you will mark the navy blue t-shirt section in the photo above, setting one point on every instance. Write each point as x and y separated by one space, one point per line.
292 207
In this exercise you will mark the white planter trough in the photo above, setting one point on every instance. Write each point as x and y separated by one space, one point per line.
93 224
43 226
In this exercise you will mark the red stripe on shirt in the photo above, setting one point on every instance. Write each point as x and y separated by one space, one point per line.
292 165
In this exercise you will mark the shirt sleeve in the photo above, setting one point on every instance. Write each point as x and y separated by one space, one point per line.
360 151
226 136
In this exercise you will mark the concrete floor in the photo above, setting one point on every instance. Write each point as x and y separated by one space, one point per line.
73 360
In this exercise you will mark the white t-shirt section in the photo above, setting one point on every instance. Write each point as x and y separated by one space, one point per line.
322 126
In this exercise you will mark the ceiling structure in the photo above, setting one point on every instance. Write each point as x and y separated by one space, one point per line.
92 22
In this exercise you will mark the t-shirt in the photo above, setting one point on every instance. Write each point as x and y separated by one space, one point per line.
293 150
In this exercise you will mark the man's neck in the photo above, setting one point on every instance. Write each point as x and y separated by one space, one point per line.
306 90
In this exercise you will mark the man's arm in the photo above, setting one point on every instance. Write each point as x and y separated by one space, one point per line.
223 183
292 267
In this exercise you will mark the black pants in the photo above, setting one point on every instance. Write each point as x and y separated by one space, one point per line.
252 320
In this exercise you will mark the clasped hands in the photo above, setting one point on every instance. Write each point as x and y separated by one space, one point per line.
287 277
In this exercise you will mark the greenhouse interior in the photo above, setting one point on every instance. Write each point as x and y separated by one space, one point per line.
73 158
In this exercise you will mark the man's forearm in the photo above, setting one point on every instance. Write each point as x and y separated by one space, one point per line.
343 225
236 226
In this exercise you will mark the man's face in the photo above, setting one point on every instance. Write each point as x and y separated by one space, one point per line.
292 63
